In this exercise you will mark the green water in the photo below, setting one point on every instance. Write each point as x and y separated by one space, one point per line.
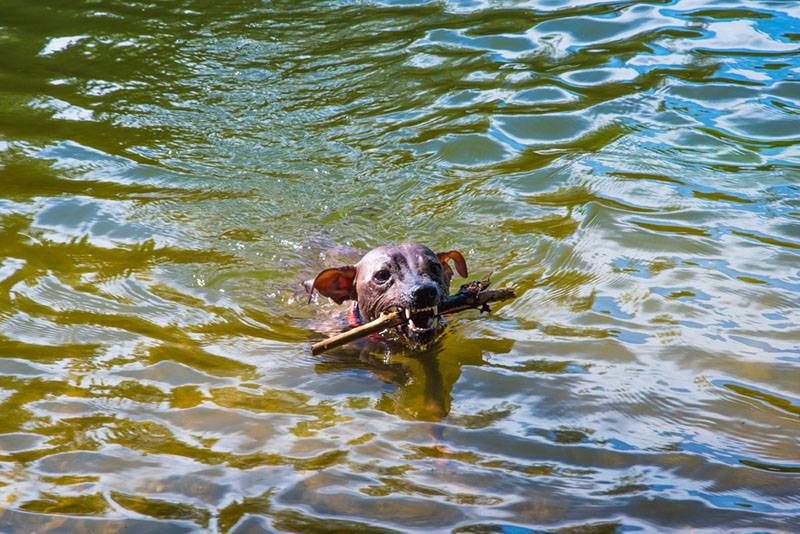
171 171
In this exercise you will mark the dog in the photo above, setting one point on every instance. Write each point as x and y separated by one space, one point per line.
409 278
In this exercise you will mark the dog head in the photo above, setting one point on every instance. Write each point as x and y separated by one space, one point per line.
409 278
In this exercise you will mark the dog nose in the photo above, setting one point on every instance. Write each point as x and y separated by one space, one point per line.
424 295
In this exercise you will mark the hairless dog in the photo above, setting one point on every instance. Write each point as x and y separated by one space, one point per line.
409 278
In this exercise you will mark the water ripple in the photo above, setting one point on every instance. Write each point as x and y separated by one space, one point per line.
169 173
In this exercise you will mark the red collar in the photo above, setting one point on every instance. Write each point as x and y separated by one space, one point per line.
354 316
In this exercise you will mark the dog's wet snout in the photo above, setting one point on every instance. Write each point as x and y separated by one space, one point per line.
423 295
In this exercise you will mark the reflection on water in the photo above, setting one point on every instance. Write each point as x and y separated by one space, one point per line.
169 172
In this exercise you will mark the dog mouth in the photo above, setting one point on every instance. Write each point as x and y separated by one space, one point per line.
421 326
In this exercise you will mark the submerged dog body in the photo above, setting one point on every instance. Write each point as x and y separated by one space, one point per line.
409 278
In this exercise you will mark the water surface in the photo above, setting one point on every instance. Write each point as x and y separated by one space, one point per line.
170 172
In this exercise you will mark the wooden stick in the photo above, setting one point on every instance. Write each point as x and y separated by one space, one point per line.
470 296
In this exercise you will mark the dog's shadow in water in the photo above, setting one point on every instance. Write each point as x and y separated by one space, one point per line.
421 382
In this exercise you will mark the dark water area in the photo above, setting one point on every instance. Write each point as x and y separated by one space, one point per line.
171 171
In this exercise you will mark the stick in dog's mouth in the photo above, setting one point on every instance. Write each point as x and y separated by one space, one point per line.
470 296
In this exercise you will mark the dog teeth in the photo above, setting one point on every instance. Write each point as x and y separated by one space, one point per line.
429 321
434 309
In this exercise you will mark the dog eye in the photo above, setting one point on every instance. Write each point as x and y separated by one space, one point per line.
382 276
436 269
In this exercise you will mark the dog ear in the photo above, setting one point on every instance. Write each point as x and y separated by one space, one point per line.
461 264
337 283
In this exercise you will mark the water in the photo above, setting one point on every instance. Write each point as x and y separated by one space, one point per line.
171 171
